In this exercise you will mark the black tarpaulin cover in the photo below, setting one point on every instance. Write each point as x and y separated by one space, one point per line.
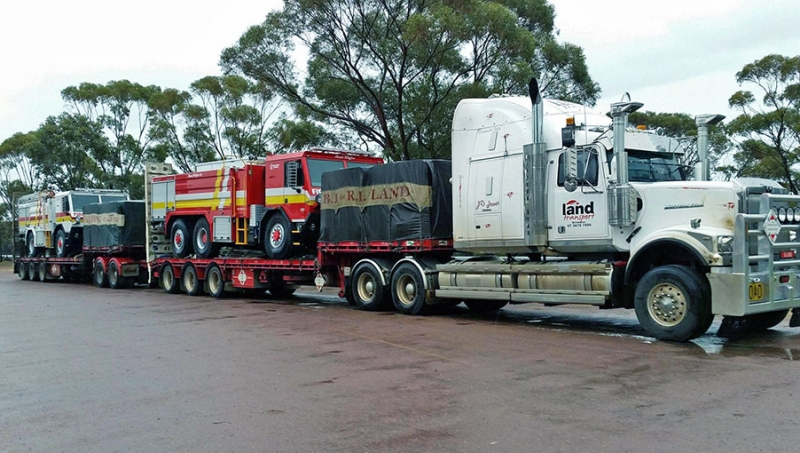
408 200
114 224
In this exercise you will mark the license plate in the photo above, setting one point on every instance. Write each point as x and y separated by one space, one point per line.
756 291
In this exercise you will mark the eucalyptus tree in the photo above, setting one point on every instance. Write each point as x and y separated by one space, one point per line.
390 72
768 129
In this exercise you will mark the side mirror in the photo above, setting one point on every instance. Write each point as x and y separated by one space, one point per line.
571 161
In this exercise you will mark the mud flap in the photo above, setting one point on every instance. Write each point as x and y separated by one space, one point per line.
732 326
795 320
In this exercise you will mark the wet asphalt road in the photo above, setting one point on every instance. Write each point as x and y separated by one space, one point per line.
84 369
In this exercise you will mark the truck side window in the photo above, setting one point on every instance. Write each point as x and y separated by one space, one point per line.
294 174
587 168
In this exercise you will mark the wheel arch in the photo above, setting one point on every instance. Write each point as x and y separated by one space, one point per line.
424 265
268 214
381 265
660 252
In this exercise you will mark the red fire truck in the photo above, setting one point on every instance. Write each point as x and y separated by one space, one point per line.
274 205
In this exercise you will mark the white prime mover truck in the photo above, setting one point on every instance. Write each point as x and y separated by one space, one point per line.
557 207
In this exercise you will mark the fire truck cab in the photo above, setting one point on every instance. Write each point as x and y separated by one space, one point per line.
275 206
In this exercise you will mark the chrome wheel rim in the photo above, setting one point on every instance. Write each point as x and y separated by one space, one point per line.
666 304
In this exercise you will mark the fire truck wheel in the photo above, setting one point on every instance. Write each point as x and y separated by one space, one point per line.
673 303
99 275
181 244
408 290
482 306
22 271
203 246
29 244
369 292
278 240
168 280
215 282
191 284
61 243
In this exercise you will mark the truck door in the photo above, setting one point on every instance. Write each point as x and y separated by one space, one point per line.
485 182
582 214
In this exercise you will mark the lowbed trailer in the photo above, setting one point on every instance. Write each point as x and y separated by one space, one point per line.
543 201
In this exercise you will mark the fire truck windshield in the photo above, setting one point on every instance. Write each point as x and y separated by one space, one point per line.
115 197
316 167
79 201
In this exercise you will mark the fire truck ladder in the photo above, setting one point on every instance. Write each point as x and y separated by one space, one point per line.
241 231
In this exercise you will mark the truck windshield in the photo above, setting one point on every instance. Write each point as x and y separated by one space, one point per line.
115 197
316 167
359 164
79 201
655 167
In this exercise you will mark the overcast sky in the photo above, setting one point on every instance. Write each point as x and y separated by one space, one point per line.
676 56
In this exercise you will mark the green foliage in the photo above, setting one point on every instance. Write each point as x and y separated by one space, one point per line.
388 74
768 129
67 150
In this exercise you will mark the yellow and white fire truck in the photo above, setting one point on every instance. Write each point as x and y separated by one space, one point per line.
50 220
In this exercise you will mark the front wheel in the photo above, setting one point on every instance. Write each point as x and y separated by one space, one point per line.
61 243
673 303
408 290
203 245
278 237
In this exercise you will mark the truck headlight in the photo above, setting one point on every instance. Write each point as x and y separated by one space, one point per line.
724 244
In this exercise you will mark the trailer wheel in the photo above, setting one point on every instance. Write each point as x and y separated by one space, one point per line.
408 290
181 244
33 271
115 279
215 282
348 293
203 244
22 271
99 276
673 303
368 290
61 243
482 306
278 237
191 284
43 272
168 280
